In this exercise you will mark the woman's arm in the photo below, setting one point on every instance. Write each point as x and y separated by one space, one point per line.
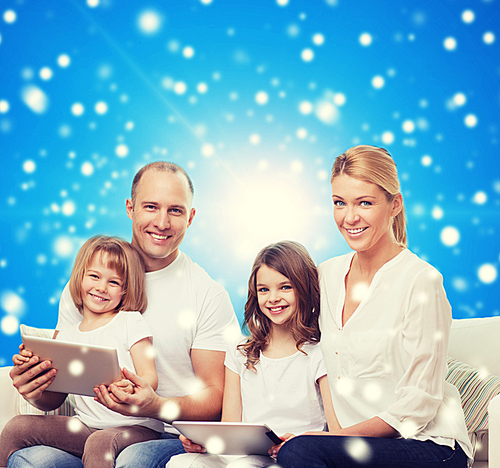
331 417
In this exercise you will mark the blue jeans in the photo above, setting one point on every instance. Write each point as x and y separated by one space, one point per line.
373 452
151 454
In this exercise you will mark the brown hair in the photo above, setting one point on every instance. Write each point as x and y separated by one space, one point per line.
159 166
375 166
123 258
292 260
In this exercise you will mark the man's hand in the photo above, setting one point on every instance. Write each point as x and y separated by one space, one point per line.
189 446
141 402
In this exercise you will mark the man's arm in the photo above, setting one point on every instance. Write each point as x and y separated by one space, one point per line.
205 404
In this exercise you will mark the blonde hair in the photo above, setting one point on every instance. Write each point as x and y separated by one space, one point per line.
292 260
123 258
375 166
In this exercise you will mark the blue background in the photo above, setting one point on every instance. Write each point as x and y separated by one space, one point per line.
254 99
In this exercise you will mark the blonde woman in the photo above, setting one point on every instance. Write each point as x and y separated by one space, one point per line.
385 322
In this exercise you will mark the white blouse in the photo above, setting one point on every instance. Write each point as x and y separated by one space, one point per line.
389 359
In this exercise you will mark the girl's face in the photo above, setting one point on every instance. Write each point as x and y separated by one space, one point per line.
363 214
275 295
102 287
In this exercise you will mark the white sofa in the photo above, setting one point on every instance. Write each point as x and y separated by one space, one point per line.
472 341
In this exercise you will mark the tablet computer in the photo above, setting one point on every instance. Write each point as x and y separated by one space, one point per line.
229 438
79 367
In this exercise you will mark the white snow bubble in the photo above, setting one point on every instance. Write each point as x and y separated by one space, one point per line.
180 87
488 38
372 392
360 291
35 99
480 198
202 88
450 43
459 99
339 99
296 167
207 150
305 107
9 325
293 30
149 21
87 168
77 109
254 139
92 3
63 246
262 165
64 131
74 425
121 150
170 411
358 449
307 55
387 138
188 52
68 208
437 212
101 108
206 2
408 429
318 39
76 367
487 273
365 39
167 82
327 112
460 284
450 236
323 175
45 73
261 98
426 160
4 106
12 303
29 166
302 133
215 445
496 186
63 60
470 120
378 82
282 2
408 126
173 46
10 16
129 125
468 16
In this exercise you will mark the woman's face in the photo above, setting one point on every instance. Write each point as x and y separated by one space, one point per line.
363 214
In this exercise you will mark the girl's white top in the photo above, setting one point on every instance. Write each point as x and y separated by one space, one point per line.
283 393
122 332
389 359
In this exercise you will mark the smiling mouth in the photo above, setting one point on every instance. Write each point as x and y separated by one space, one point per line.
158 236
356 231
277 310
97 298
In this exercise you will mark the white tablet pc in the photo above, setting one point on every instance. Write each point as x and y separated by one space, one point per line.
79 367
229 438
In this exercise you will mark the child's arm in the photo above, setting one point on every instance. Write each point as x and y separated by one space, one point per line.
144 363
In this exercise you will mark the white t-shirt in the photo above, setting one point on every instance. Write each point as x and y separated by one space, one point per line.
283 393
389 359
186 310
122 332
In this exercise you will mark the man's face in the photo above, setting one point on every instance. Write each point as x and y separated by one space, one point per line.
160 216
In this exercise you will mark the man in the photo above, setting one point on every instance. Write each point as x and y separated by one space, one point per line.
191 318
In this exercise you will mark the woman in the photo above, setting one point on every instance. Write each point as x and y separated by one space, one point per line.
385 324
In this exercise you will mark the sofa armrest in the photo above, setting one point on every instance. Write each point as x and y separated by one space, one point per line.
494 432
8 397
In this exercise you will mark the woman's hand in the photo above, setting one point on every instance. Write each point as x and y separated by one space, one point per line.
273 451
189 446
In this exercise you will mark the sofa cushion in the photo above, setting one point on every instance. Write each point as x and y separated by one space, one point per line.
476 389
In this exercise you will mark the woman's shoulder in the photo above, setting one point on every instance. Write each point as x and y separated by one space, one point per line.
335 262
413 266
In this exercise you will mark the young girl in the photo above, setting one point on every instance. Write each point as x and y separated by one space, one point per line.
107 280
277 375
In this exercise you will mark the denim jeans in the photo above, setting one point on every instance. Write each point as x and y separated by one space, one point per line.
348 452
144 454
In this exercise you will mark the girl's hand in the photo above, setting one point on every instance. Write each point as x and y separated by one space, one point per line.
189 447
273 451
126 386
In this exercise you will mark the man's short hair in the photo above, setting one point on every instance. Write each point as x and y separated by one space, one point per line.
159 166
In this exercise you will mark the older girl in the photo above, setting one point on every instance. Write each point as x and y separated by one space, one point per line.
385 323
